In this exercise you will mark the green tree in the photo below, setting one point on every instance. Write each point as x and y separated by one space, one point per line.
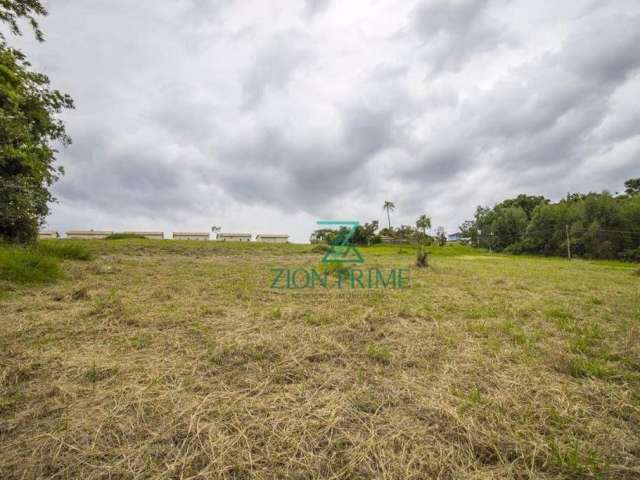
29 131
369 232
441 236
423 224
389 207
632 186
596 225
508 226
527 203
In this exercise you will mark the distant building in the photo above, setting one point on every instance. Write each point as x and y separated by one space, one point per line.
88 234
149 235
47 235
272 238
233 237
457 237
191 235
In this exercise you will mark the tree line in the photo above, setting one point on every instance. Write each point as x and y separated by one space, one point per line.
370 233
592 225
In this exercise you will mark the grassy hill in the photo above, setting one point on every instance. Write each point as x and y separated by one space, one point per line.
169 359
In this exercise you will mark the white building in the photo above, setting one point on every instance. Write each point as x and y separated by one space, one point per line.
190 235
88 234
272 238
233 237
48 235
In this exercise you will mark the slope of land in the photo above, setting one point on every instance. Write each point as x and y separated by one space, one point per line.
177 360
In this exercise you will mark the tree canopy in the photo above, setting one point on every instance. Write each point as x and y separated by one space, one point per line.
29 131
595 225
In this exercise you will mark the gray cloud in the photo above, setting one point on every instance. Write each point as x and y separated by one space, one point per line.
315 7
197 112
273 66
455 31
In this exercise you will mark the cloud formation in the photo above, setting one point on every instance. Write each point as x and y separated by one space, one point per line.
266 118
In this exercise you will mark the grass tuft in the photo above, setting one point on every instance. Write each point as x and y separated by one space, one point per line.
24 265
63 250
379 353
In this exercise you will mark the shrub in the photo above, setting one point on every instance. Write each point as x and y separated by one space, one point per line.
630 255
125 236
422 260
516 248
27 265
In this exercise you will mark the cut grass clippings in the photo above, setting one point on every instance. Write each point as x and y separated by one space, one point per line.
175 359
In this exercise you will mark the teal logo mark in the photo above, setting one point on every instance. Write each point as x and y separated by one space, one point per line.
342 250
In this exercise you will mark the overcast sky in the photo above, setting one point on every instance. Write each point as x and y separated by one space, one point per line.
265 116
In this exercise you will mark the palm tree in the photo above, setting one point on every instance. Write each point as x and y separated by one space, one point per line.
423 223
389 207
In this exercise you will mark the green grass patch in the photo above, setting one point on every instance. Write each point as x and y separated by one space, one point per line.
125 236
24 265
379 353
578 461
585 367
63 250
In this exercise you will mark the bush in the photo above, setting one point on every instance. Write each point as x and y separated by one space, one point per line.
422 259
27 265
631 255
125 236
63 250
515 248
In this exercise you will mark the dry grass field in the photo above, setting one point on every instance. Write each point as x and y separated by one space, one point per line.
175 360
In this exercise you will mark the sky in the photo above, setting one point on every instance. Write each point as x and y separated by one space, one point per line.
265 117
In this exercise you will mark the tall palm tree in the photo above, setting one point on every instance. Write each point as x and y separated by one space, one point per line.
423 223
389 207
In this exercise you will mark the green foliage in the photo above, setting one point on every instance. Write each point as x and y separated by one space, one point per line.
11 11
423 223
37 263
25 265
379 353
632 186
389 207
363 235
63 250
441 236
125 236
29 130
598 225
